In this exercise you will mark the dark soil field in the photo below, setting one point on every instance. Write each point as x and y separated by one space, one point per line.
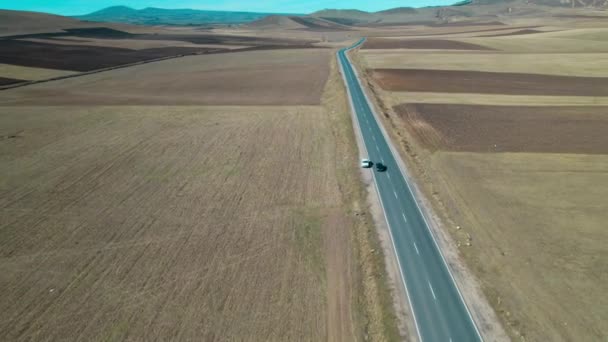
16 51
7 81
473 128
456 81
81 58
203 38
380 43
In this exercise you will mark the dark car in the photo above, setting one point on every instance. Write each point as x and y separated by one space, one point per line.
380 167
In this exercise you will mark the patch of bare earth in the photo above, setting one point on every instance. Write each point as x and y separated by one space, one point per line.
478 128
461 81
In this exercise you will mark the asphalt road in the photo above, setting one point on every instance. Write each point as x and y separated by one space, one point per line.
440 314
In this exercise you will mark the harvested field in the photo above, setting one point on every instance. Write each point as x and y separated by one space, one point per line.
567 64
270 77
161 223
379 43
7 81
456 81
80 58
28 73
472 128
538 228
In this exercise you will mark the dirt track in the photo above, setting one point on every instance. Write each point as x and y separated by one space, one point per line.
473 128
457 81
379 43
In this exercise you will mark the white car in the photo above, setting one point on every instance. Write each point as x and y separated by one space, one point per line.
366 163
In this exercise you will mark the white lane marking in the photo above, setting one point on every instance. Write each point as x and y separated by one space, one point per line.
374 137
450 339
377 149
416 247
432 292
404 218
395 194
389 175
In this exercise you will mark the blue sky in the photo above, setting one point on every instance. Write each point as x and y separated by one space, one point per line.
73 7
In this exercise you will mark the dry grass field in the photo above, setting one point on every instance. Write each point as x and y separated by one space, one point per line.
537 222
518 169
202 198
125 216
165 222
27 73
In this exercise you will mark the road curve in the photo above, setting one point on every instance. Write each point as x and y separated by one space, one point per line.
439 311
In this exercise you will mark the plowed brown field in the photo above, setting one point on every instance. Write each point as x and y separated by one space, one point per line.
459 81
379 43
477 128
273 77
81 58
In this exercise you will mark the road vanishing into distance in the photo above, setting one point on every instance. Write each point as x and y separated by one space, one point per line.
439 311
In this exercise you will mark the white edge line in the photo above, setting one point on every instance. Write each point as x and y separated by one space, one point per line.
354 114
397 160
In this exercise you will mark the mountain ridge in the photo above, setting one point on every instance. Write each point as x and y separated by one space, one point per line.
162 16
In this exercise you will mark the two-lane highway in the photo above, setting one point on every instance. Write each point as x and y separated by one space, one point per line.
440 313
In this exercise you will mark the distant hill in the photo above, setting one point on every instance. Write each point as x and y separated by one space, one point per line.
160 16
466 11
276 22
399 10
296 23
550 3
346 17
20 22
